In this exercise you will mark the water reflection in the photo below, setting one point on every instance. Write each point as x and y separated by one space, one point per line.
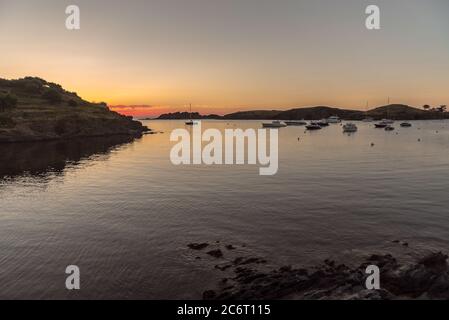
42 160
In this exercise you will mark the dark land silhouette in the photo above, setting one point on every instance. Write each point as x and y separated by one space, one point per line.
392 111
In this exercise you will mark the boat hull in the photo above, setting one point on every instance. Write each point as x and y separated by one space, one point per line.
313 127
295 123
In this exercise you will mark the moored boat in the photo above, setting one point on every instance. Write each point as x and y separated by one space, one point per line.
313 126
381 125
190 122
295 123
323 123
406 124
350 127
274 124
333 119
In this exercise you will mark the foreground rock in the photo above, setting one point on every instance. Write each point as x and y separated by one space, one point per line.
198 246
426 278
33 109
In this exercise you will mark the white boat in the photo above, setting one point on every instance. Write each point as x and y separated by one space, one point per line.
333 119
295 123
350 127
387 121
274 124
313 126
323 123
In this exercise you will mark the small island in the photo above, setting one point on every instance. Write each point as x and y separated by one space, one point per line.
32 109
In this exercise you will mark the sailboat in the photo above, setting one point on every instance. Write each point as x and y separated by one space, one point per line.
367 119
190 122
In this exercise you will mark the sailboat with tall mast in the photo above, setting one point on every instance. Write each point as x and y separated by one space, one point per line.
190 122
367 119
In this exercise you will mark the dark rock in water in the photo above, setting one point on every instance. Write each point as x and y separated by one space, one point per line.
223 267
330 263
402 243
209 295
244 261
198 246
427 278
230 247
216 253
436 261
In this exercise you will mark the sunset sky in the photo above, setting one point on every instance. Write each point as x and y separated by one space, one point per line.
226 55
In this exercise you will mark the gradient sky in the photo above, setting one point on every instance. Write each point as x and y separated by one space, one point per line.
227 55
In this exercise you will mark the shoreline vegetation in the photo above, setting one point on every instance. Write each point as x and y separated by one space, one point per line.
32 109
392 111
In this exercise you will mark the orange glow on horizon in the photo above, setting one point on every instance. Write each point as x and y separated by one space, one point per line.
140 111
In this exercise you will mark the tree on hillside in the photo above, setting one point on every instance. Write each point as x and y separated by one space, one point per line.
32 86
52 95
426 107
7 101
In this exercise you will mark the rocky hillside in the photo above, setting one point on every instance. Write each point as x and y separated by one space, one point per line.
32 109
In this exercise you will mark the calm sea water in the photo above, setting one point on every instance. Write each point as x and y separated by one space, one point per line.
124 214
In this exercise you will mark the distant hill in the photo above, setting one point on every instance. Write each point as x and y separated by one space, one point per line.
404 112
253 115
33 109
394 111
313 113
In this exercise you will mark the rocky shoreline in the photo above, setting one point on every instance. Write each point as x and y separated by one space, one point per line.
250 278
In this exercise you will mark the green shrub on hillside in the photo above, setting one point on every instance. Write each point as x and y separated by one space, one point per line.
6 122
33 87
7 101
